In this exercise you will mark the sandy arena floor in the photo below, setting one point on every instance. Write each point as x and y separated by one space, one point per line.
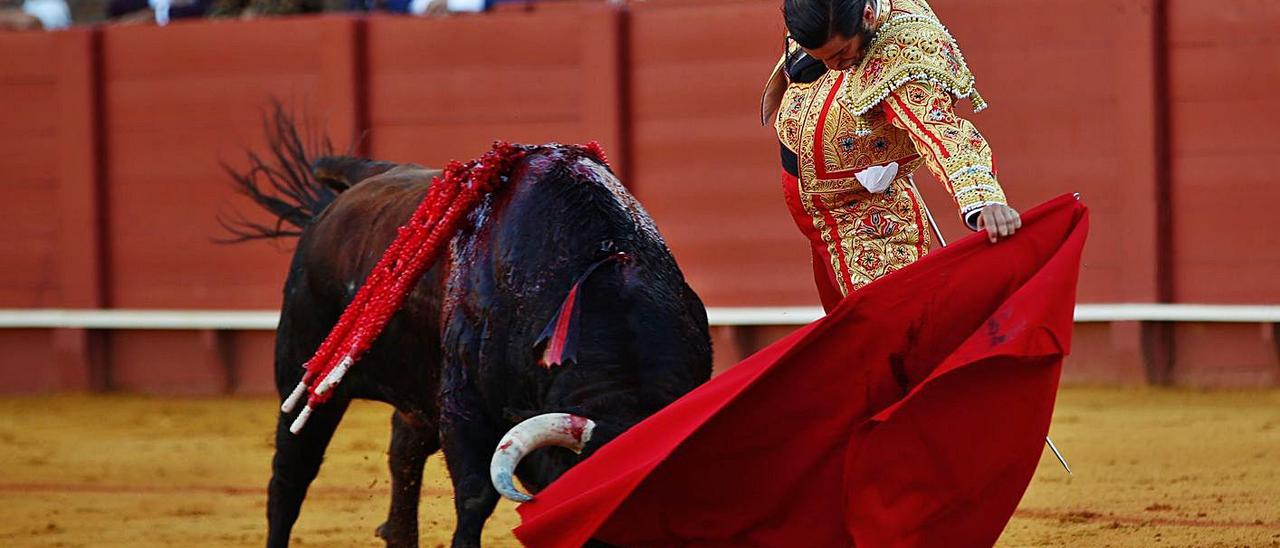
1153 468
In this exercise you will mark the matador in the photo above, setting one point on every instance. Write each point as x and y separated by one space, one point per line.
863 96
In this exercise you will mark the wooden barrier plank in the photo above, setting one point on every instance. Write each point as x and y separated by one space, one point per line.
1106 353
179 102
438 91
29 363
29 159
701 163
1225 144
168 362
1226 356
253 363
263 46
80 205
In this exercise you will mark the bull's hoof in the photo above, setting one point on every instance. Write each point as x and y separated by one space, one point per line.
396 537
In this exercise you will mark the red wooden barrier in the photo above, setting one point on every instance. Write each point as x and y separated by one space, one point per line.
47 149
445 89
181 99
28 150
30 363
110 141
702 164
1225 149
250 355
50 250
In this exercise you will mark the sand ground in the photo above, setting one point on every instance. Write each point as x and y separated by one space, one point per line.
1153 468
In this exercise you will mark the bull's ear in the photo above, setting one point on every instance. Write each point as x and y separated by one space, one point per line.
331 170
342 172
334 183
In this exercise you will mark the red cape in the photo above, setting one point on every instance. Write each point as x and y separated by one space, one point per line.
913 414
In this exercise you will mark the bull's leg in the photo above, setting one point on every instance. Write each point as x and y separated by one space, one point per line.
469 442
412 441
297 461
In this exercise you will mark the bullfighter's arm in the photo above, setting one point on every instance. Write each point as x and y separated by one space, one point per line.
951 146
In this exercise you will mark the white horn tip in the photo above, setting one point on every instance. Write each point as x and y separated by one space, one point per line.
506 486
559 429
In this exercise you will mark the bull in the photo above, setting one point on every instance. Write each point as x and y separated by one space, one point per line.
460 361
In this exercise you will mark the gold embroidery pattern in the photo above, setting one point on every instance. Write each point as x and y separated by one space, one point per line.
874 233
795 102
953 149
912 46
843 151
878 233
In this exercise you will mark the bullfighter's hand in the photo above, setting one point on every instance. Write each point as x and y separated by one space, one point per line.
1000 221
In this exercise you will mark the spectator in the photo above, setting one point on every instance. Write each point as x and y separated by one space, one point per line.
160 12
440 7
469 5
53 14
34 14
256 8
483 5
410 7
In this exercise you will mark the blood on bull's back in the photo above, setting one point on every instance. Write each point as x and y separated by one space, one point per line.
566 225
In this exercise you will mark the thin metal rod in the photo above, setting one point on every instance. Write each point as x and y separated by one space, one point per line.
943 241
1058 454
936 231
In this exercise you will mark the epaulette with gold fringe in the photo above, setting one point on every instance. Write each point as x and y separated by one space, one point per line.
908 48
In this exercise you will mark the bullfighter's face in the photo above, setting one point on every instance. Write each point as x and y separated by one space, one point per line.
839 53
844 52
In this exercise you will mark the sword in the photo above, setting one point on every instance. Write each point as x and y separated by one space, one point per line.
943 241
1058 454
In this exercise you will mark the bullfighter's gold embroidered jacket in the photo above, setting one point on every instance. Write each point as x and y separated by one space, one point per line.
858 134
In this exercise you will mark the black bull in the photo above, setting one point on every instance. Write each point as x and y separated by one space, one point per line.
458 361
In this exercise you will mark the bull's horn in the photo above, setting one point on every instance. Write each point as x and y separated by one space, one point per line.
560 429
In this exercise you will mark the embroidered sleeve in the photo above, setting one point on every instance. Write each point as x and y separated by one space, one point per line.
952 148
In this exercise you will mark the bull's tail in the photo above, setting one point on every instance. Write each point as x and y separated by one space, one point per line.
297 180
